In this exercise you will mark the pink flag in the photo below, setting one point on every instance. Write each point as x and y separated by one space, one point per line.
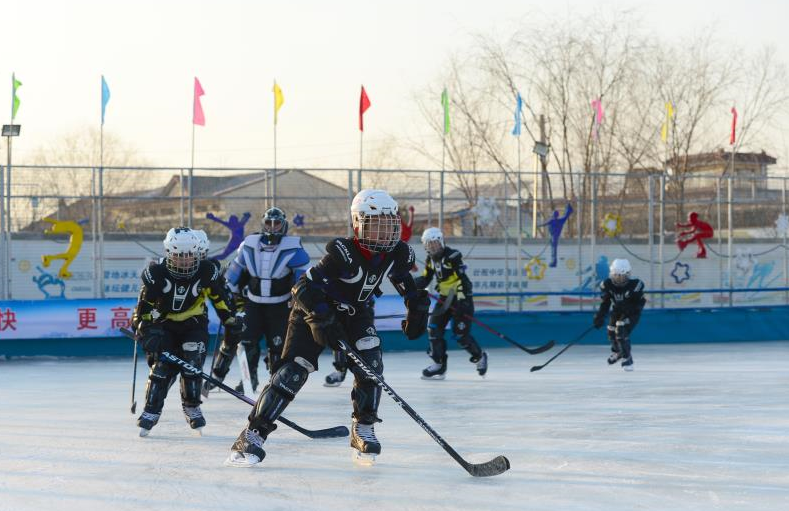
599 116
197 112
733 137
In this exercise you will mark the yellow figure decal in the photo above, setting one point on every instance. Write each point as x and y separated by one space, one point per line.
75 244
535 269
612 225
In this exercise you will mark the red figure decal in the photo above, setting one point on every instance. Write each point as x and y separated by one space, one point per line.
697 230
406 228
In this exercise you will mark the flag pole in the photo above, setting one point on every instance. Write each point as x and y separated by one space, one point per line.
191 173
274 177
99 226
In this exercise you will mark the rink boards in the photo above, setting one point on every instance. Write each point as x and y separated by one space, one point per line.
657 326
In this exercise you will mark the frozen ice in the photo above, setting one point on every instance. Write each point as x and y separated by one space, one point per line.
694 427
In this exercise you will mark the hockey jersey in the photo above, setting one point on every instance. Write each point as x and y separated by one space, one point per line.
265 273
450 273
627 300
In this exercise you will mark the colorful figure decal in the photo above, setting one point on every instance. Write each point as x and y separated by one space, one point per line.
298 220
406 228
681 272
698 230
236 227
47 280
555 226
75 244
612 225
535 269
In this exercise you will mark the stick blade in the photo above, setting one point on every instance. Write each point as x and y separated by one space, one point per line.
542 349
494 467
336 432
134 407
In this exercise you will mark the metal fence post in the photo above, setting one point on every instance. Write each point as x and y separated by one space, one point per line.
520 244
662 238
100 227
730 215
786 260
3 258
441 203
350 200
651 229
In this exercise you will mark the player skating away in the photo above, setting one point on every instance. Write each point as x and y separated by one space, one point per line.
265 268
452 284
170 316
625 298
330 303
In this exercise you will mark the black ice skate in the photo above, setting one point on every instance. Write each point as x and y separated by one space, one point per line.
208 386
194 417
247 450
614 357
482 363
334 379
435 371
147 421
627 364
364 443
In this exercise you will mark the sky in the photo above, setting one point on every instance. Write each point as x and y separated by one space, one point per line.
319 52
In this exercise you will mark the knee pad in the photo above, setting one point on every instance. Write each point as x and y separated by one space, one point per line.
366 396
280 391
611 330
159 381
373 359
460 327
434 333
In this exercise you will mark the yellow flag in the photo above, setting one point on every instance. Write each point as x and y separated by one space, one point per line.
667 123
278 100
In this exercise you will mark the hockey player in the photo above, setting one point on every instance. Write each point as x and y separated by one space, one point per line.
266 266
329 303
170 316
625 298
452 284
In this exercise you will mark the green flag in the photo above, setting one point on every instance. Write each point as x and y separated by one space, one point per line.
445 103
15 106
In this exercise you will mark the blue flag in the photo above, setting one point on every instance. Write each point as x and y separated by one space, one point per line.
516 130
105 97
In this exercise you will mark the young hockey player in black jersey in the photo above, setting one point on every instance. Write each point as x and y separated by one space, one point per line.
452 284
265 268
330 303
625 297
170 316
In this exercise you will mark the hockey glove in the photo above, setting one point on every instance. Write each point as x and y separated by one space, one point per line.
415 322
152 338
598 321
325 328
235 325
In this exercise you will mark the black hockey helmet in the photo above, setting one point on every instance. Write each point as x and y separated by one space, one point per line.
274 226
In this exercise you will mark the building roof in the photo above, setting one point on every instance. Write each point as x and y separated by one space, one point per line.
721 158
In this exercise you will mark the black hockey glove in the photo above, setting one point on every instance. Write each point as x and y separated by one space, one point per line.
152 338
235 325
598 321
415 322
325 328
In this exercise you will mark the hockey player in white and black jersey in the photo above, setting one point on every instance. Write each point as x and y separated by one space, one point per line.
170 316
265 268
624 296
330 303
453 285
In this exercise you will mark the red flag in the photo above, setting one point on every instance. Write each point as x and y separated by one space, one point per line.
197 111
364 104
733 137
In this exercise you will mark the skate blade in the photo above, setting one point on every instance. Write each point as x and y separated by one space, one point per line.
436 377
144 432
628 368
197 431
327 384
239 460
365 459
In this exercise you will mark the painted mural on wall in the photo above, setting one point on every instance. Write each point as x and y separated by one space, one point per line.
555 225
697 231
74 230
236 227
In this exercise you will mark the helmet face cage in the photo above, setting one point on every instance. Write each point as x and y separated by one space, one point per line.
377 233
182 252
434 246
620 279
274 226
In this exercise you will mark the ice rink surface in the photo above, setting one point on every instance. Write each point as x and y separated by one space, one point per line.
701 427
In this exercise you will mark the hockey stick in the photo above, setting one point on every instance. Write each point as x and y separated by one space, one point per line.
532 351
217 342
496 466
335 432
537 368
134 379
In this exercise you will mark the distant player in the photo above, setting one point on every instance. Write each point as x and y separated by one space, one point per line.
170 316
625 298
454 285
330 303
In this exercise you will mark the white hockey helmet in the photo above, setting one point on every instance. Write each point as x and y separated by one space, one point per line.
203 243
376 220
181 252
619 272
433 240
